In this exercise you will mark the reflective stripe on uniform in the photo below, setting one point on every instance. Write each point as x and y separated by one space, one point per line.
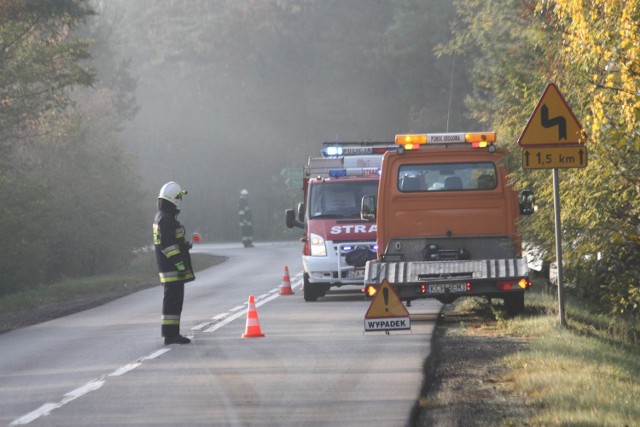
156 234
170 319
172 276
170 251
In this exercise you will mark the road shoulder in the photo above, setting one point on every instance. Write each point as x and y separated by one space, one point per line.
465 382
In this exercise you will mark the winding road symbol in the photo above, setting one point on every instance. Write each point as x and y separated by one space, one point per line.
552 122
559 121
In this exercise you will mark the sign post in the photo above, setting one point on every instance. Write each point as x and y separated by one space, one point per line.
553 138
558 225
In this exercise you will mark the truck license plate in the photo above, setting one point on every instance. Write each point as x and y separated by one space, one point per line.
441 288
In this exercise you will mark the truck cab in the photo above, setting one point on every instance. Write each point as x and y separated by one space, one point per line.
447 221
337 241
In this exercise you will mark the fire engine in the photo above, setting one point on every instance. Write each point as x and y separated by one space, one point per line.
337 242
447 221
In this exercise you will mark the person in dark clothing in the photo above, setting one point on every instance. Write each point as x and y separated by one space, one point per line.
246 222
174 261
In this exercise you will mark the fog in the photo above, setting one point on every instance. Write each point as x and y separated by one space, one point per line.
233 92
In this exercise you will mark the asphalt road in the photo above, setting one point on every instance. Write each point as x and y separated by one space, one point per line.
315 366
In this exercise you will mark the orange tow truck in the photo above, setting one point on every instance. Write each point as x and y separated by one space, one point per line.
447 221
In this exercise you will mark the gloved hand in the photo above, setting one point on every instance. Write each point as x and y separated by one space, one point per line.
188 244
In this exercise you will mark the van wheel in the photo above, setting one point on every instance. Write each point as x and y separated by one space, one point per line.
310 293
514 303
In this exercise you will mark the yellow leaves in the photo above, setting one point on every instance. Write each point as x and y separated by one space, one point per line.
610 79
602 38
626 44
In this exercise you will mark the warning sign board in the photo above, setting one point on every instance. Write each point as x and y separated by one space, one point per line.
386 312
571 156
552 122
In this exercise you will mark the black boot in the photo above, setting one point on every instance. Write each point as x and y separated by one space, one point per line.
176 339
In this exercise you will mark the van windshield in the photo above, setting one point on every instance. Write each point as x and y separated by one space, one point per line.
339 199
447 177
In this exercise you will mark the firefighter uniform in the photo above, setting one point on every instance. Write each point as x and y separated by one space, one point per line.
173 259
246 222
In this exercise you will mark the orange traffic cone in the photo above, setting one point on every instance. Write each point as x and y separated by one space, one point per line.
285 287
252 329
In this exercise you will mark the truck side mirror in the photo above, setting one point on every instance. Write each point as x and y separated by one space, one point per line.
527 201
290 219
368 208
301 211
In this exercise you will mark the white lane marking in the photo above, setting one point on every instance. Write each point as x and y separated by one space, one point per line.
266 300
156 354
222 320
262 299
227 320
200 326
34 415
47 408
237 307
125 369
81 391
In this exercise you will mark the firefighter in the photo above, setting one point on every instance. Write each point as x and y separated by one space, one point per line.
246 223
174 261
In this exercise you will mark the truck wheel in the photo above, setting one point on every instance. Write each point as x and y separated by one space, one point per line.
514 303
310 293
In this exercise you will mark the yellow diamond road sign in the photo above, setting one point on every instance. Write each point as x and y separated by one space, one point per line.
552 122
386 312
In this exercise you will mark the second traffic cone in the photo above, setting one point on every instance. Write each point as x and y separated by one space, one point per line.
252 329
285 287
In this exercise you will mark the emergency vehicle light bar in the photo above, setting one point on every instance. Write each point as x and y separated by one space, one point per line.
340 149
338 173
476 139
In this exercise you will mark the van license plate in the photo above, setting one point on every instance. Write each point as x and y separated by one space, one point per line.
441 288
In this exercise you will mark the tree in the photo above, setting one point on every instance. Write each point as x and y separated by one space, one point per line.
72 202
600 52
234 92
432 84
589 49
38 62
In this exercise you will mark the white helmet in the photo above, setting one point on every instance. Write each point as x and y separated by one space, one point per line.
171 192
244 193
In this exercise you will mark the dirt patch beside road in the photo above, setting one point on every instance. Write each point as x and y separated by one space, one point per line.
465 384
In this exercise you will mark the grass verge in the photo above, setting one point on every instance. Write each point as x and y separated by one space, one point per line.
65 297
583 375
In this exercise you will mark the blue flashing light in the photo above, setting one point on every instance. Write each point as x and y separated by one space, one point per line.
332 151
337 173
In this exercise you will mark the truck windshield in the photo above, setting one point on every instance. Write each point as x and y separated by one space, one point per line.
339 199
447 177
